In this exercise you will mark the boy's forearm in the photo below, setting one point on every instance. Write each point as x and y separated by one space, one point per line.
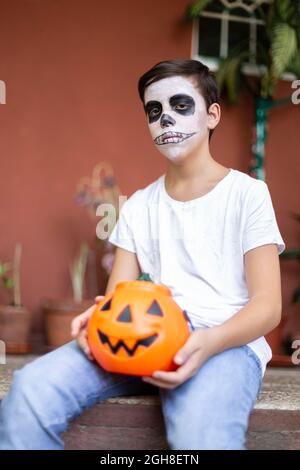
257 318
125 268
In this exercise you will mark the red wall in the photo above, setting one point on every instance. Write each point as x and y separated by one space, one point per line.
71 69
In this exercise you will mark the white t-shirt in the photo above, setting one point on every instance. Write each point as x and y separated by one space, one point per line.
196 247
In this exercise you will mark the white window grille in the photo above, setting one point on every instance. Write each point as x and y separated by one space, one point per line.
225 24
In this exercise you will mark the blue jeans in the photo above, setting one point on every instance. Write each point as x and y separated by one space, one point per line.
208 411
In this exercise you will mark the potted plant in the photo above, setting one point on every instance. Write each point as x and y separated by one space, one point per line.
15 319
59 314
91 192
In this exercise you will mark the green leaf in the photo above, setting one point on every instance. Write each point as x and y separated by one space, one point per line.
294 66
283 48
194 10
266 85
2 269
284 9
221 73
8 282
233 80
229 75
224 64
270 21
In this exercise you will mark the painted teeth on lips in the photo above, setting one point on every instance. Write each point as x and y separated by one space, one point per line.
170 137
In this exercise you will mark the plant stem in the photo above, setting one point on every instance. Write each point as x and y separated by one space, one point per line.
16 276
77 271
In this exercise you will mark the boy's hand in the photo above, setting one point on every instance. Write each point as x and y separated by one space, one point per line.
201 344
79 328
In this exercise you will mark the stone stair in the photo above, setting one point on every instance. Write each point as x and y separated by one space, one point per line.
136 422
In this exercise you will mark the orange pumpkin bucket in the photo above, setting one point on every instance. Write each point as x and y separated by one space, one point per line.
137 329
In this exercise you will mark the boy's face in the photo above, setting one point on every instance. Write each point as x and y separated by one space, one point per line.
177 116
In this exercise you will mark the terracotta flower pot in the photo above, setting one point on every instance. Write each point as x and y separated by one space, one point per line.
58 316
15 323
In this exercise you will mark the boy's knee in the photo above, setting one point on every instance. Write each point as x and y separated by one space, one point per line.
208 437
202 442
25 381
46 372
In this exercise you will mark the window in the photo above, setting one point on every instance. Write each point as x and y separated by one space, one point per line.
222 26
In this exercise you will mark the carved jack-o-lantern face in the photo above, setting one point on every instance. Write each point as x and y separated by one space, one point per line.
137 329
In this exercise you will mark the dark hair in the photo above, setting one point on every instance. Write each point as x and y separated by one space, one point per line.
205 79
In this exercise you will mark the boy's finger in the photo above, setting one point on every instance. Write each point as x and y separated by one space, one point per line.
186 351
80 321
188 369
83 344
77 324
98 298
88 353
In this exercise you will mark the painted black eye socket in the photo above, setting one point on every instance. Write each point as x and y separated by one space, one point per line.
181 106
155 309
106 306
154 112
125 316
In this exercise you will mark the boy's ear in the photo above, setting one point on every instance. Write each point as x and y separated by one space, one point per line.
214 115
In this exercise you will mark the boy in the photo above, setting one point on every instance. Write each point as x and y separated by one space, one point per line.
210 234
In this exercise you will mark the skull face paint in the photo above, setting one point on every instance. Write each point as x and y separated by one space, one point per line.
177 116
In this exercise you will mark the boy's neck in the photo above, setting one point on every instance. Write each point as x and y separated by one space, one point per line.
194 176
201 167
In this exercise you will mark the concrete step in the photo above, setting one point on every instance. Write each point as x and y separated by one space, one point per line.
136 422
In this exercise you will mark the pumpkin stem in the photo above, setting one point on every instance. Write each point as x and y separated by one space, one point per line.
144 277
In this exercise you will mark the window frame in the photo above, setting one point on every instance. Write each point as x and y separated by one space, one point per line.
250 68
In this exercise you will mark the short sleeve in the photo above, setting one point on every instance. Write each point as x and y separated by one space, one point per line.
121 234
260 227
